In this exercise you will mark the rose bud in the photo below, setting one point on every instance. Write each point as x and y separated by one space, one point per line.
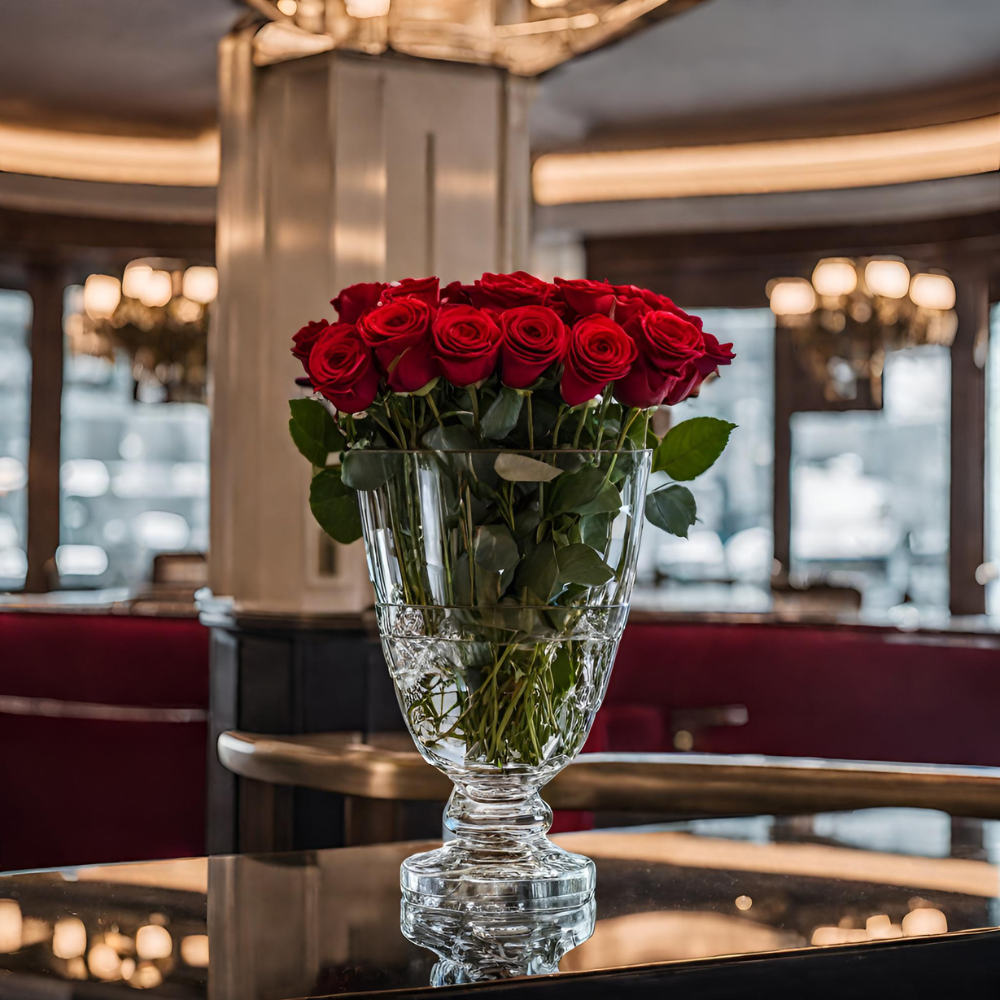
343 368
585 297
466 341
534 337
425 289
302 342
355 300
506 291
599 352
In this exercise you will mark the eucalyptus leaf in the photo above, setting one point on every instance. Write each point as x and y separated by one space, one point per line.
562 670
582 564
595 530
452 437
526 521
673 509
691 447
539 571
368 469
495 548
335 506
501 417
608 501
521 469
313 430
575 490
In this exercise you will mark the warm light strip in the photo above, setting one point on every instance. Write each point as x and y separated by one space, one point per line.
117 159
830 162
541 27
971 878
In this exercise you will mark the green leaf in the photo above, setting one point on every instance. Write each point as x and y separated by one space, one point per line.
581 564
539 571
313 430
368 469
526 521
562 670
520 469
595 530
453 437
608 501
335 506
641 435
690 448
495 548
501 418
575 490
672 509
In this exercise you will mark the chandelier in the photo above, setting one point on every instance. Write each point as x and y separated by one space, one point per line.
158 315
846 319
521 36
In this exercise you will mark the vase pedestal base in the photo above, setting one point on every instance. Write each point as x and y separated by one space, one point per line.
537 875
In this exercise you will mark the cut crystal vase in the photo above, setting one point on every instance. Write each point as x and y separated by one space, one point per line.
502 584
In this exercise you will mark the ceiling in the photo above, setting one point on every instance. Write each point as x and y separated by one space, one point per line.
758 66
150 64
137 64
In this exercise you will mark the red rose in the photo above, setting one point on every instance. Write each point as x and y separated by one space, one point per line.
425 289
632 303
456 294
355 300
599 352
506 291
399 333
667 340
644 386
466 342
534 337
302 342
683 384
343 368
585 297
715 354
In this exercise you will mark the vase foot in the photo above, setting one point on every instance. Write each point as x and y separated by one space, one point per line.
480 945
538 875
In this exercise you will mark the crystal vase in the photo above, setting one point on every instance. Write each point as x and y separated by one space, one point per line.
502 584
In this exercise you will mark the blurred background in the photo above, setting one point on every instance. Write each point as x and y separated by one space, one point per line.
184 183
737 142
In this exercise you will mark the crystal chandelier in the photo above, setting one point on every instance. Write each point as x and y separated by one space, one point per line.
524 37
852 312
158 315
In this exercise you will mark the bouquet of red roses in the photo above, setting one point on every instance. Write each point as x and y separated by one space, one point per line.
494 441
510 362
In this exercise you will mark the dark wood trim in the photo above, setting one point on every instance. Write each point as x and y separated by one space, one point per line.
84 244
45 285
968 445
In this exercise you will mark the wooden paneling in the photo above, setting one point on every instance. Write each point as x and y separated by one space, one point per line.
45 285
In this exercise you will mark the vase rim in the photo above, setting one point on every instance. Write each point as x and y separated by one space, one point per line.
512 451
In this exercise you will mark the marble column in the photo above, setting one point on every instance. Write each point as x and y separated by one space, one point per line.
336 168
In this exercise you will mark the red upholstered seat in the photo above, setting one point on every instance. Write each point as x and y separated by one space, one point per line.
78 790
839 691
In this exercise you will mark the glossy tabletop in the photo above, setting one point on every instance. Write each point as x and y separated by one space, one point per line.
675 896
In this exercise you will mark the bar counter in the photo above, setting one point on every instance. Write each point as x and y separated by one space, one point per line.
873 902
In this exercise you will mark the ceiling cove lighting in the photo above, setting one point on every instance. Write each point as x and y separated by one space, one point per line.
826 163
118 159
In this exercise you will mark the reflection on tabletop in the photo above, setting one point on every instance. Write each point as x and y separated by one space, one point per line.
327 922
